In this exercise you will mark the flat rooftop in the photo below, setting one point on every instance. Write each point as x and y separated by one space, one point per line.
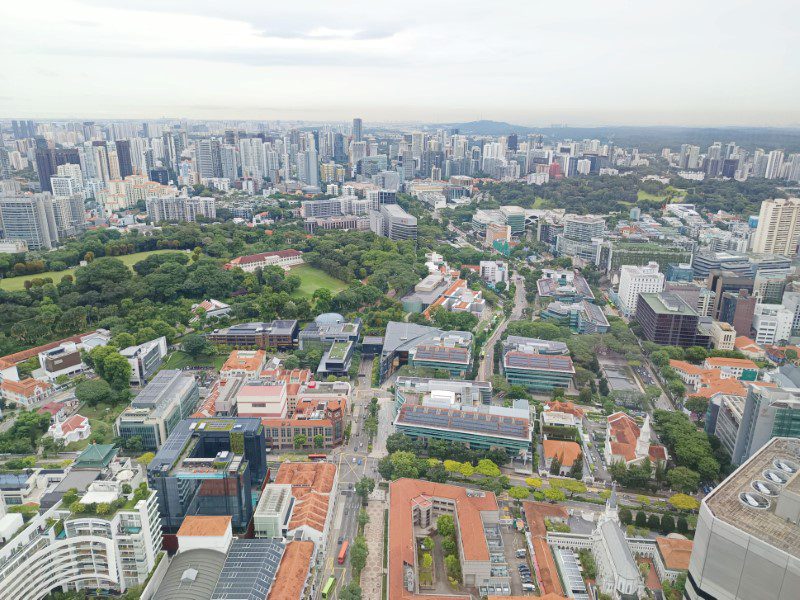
725 503
667 303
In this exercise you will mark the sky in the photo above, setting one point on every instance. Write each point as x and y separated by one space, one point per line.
528 62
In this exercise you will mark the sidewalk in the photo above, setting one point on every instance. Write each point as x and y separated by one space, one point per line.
372 575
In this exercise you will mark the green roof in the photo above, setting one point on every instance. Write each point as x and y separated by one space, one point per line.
96 455
338 350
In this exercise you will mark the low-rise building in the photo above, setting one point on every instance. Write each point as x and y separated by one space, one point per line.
738 368
494 271
279 334
566 453
285 259
243 363
328 328
72 429
420 345
627 442
336 360
722 334
564 285
26 393
210 309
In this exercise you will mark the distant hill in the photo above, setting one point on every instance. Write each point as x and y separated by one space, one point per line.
647 139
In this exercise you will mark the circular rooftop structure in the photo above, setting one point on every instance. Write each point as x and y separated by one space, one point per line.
765 488
754 500
329 319
775 476
786 465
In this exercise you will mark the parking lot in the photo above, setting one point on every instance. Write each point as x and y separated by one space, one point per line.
513 541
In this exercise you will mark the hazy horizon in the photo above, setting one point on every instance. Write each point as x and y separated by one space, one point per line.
533 64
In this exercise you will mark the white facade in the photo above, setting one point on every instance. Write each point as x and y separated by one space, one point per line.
493 272
778 229
115 552
773 323
635 280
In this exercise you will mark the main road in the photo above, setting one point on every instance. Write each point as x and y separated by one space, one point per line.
520 303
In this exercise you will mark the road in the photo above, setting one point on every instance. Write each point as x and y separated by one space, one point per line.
520 303
354 461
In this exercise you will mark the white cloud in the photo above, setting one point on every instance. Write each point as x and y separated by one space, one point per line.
530 62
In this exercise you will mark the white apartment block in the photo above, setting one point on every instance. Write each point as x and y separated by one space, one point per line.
63 550
778 229
494 271
635 280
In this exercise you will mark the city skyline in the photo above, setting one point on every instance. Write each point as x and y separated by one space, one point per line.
596 65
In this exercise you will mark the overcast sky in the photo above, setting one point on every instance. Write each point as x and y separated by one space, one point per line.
530 62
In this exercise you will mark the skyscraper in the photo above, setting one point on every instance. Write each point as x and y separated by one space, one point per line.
48 160
124 158
209 158
357 135
778 229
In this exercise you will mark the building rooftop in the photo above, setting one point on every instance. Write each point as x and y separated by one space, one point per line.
667 303
95 455
249 570
725 501
535 345
192 575
245 360
476 422
293 571
401 336
469 505
567 452
537 362
197 525
675 552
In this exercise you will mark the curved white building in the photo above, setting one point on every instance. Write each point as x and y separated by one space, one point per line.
62 550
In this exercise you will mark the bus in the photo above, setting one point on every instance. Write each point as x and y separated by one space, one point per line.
343 552
317 457
330 587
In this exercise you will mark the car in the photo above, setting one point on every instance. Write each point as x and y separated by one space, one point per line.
354 460
360 462
341 539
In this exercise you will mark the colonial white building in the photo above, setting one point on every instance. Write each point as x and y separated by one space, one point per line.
635 280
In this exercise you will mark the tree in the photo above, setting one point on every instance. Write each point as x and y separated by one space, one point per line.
683 502
576 470
436 473
696 354
654 522
350 592
572 486
519 492
555 466
300 440
487 468
427 561
466 469
123 340
554 495
319 440
641 519
453 567
386 467
358 554
363 518
533 482
103 508
445 525
145 458
111 366
93 391
69 497
684 480
194 345
291 362
667 524
364 487
683 524
404 464
697 405
625 516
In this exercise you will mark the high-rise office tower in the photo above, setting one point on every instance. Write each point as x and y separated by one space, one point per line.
339 154
29 218
251 155
124 158
778 228
228 157
48 160
209 158
357 134
513 142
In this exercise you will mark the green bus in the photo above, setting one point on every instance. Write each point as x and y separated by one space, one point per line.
327 591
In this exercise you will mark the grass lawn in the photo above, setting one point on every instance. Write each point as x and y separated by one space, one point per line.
179 360
15 284
314 279
539 203
101 418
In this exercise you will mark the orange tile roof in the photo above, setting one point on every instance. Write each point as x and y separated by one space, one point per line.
26 387
565 407
686 367
292 572
745 343
544 563
243 360
195 525
567 452
317 477
402 494
675 552
624 433
73 423
740 363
